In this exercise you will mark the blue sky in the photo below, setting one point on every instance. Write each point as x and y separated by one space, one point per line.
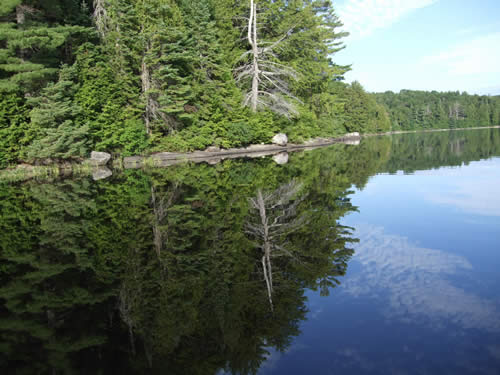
438 45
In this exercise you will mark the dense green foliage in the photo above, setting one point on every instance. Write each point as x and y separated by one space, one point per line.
130 77
411 110
135 77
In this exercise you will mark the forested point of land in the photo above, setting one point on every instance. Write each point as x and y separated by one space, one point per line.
134 77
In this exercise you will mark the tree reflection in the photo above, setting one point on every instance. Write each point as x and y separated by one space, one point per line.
276 214
182 270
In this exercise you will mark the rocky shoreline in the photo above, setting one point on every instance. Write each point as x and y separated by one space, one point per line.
214 155
97 165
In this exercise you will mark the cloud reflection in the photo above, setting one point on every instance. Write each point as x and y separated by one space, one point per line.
416 283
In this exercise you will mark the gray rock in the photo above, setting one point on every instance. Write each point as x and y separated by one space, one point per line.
213 149
352 135
280 139
99 158
101 173
281 158
353 142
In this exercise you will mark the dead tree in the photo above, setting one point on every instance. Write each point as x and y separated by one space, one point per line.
276 214
267 77
101 17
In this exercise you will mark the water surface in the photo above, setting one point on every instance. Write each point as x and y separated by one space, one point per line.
373 259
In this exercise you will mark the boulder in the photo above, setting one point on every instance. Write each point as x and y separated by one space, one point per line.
352 135
280 139
281 158
99 158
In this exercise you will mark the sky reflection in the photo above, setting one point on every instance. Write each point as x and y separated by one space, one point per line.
414 283
473 189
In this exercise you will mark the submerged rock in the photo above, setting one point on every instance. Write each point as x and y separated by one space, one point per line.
280 139
99 158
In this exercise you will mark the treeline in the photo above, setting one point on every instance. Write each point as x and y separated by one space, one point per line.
133 76
410 110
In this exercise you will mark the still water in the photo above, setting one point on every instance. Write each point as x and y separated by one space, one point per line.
381 258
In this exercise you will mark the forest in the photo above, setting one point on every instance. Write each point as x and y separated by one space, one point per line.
135 77
410 110
132 77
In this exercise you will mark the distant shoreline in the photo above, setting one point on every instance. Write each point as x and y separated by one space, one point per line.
426 131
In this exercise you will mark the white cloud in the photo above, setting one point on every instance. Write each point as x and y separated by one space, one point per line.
480 55
363 17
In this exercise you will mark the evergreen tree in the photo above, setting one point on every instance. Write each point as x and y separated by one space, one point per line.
166 63
55 122
35 37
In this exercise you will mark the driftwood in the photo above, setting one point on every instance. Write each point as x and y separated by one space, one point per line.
165 159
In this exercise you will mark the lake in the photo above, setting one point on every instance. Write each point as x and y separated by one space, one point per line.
377 258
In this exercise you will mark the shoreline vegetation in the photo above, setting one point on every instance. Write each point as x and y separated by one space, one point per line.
25 172
131 77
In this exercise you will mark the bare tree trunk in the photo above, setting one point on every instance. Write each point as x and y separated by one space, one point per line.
125 307
267 77
160 210
146 86
252 38
159 214
20 14
101 17
275 216
152 111
266 258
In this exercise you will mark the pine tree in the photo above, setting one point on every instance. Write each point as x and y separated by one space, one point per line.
211 75
34 39
166 56
54 120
